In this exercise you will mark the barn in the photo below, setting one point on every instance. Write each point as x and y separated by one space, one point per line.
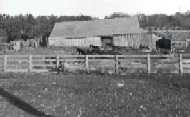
121 32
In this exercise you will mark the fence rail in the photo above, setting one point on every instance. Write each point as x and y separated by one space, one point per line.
115 63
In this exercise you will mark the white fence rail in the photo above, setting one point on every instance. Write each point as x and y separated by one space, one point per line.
115 63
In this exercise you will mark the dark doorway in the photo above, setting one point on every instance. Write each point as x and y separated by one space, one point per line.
107 41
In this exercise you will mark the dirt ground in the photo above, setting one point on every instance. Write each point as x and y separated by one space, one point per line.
43 51
94 95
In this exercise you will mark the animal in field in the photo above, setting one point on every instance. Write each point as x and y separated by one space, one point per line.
81 51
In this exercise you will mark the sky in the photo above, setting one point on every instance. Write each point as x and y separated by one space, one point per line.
95 8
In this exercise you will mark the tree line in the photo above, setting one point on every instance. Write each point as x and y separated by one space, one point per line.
27 26
177 21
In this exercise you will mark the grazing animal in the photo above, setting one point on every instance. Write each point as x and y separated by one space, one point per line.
81 51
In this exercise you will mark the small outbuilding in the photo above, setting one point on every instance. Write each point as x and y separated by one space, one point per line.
176 39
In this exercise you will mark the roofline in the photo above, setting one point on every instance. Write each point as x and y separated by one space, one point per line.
97 20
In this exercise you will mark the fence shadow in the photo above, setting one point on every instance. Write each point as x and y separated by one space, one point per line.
19 103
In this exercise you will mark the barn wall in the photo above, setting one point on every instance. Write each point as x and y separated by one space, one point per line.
3 39
179 44
80 42
134 40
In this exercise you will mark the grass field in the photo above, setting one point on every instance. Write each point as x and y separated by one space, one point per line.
93 95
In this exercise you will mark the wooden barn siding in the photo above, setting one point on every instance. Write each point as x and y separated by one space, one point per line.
179 44
83 42
3 39
134 40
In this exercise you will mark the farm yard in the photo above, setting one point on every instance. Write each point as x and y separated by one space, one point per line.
90 67
94 95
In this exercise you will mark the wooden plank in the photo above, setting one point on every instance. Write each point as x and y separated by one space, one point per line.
57 61
19 60
132 62
44 65
30 63
116 64
148 64
133 66
160 56
44 60
186 61
86 63
40 70
101 60
16 67
52 55
5 63
73 60
131 56
186 56
180 64
69 56
186 66
99 56
18 56
186 71
16 70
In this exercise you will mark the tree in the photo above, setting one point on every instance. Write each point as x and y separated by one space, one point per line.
117 15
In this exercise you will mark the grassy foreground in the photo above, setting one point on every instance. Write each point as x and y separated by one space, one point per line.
83 95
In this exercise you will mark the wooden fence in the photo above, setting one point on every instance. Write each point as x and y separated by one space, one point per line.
103 63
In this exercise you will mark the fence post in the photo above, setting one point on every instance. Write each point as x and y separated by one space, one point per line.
116 64
30 63
57 61
5 63
86 63
180 64
148 64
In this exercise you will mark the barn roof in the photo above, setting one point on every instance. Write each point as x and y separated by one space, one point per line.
103 27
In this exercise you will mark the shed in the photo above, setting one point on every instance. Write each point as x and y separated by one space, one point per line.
180 39
122 32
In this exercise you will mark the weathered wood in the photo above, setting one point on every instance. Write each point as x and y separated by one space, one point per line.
148 64
30 63
116 64
5 63
132 56
99 56
187 66
44 65
16 70
71 56
112 60
86 63
180 64
72 60
186 61
158 56
40 70
43 60
57 61
133 66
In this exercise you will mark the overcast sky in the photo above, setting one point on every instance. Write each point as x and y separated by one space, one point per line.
98 8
